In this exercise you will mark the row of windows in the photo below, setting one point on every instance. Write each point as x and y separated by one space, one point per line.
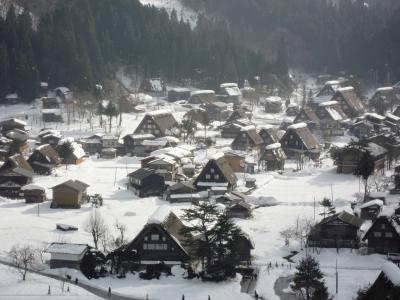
156 131
155 247
378 234
208 176
154 237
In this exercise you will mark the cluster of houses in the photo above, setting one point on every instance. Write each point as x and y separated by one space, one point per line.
169 169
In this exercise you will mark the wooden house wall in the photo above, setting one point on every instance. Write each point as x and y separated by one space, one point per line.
66 197
382 238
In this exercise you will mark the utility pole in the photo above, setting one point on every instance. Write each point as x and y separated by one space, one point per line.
314 208
337 279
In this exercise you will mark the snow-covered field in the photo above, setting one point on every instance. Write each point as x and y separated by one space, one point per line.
36 287
295 194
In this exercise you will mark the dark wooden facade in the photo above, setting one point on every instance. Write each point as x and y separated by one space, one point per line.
217 173
155 244
158 124
247 139
337 231
146 182
383 236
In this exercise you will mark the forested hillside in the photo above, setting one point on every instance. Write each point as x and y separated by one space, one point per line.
355 36
81 42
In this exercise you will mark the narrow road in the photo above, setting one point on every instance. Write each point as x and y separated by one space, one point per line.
281 284
94 290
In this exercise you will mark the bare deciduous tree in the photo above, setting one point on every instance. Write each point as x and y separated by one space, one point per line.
40 251
96 226
120 240
287 234
22 257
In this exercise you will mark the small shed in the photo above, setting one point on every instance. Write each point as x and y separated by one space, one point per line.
33 193
66 255
250 182
108 153
69 194
273 105
11 99
176 94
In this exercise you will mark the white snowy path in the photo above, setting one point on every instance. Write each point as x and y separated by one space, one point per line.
36 287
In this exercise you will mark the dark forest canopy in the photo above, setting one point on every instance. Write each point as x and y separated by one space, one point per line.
351 35
81 42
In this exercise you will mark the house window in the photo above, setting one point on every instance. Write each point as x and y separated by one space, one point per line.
291 137
383 226
147 246
377 234
388 234
164 239
157 131
146 238
155 237
212 170
208 176
216 176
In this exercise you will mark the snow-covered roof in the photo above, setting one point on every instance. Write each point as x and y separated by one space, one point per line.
372 202
384 89
335 115
391 272
332 82
32 187
212 184
273 99
180 196
160 112
55 111
78 150
232 91
14 120
228 84
328 103
248 128
154 143
347 88
12 96
273 146
168 138
392 116
160 215
66 248
297 125
376 116
217 155
375 149
202 92
187 147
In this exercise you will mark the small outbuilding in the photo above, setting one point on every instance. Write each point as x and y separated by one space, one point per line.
66 255
33 193
69 194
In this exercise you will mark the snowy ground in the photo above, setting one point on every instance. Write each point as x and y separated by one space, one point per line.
295 194
36 287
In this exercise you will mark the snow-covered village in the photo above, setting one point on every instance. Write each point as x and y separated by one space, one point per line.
152 175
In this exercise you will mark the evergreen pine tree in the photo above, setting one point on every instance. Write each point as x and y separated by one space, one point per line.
329 209
308 280
4 70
